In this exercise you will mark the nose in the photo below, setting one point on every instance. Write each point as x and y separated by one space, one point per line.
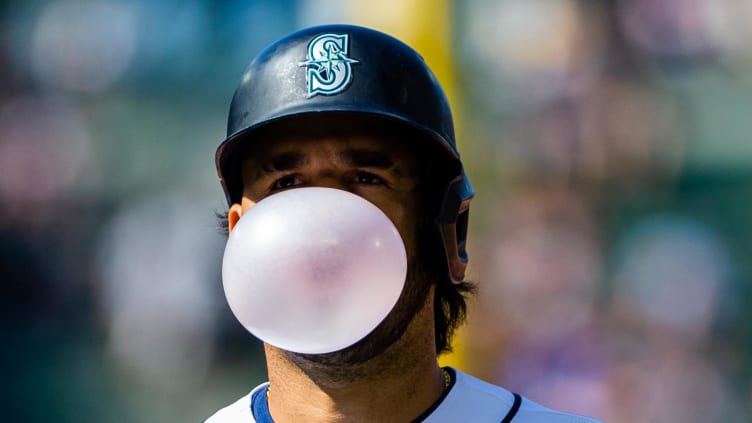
330 181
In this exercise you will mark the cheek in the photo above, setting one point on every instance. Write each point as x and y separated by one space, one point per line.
246 203
405 220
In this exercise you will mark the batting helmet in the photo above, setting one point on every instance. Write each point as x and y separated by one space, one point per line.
349 69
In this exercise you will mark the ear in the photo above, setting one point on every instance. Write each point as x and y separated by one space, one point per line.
233 215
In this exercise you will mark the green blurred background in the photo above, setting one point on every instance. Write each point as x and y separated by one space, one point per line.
608 142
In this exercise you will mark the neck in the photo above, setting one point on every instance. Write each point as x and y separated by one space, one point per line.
398 385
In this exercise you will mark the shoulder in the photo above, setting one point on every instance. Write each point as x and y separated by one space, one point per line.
532 412
237 412
471 396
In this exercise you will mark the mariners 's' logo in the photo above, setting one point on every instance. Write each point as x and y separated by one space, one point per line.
328 67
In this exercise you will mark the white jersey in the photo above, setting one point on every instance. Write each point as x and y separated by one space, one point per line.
468 400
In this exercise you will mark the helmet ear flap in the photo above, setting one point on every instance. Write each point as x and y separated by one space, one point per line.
453 224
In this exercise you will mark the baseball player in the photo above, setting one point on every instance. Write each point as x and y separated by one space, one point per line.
351 108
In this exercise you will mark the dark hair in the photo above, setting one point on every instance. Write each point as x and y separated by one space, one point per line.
450 298
435 171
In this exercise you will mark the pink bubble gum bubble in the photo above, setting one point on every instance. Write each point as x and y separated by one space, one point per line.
313 270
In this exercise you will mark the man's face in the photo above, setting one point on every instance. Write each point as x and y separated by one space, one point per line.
381 171
376 167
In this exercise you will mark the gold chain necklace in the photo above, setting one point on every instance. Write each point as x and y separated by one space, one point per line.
447 378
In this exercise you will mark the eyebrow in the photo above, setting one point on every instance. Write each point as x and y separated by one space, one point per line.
367 158
284 161
353 157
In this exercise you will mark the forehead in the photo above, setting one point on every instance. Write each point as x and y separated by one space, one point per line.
328 144
329 137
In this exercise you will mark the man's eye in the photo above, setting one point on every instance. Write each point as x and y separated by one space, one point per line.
286 182
368 178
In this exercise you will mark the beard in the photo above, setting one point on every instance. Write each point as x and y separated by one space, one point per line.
411 301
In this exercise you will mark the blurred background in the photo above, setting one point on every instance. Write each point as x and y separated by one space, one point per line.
608 142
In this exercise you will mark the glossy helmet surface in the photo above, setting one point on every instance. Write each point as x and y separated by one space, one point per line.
349 69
